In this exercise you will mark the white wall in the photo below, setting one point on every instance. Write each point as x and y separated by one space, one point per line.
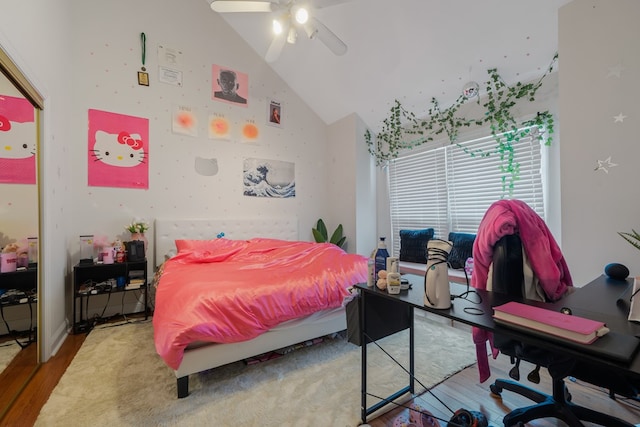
351 185
366 195
595 36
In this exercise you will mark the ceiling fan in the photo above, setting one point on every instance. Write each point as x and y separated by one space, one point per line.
289 17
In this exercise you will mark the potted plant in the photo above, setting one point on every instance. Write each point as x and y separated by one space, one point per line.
137 229
321 235
633 238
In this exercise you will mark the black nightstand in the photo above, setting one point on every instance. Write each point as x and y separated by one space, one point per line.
102 279
20 289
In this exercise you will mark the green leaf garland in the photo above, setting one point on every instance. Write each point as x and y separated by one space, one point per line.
402 129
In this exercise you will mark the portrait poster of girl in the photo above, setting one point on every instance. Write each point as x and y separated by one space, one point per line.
118 152
274 113
17 141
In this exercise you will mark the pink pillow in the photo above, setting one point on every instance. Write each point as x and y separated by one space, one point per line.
214 250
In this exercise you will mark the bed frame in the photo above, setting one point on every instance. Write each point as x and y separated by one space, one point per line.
210 356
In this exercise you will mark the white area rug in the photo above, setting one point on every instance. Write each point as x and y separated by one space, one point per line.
117 379
8 351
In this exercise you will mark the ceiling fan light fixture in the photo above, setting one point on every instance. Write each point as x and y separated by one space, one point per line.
302 15
292 36
310 30
277 26
290 17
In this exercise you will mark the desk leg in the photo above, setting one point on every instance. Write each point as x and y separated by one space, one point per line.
364 340
412 364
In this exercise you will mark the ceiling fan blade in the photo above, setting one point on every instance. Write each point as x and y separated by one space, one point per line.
230 6
319 4
276 46
316 29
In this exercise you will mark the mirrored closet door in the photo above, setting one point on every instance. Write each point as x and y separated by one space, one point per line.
20 107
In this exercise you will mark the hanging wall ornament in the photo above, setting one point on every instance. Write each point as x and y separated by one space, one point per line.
471 90
143 76
605 165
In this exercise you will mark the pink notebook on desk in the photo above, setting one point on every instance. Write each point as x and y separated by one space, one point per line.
566 326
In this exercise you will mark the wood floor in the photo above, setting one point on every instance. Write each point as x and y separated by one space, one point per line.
460 391
463 390
25 409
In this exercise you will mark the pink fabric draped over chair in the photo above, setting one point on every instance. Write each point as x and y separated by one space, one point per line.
547 262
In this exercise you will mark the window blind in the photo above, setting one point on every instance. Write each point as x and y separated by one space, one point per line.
448 189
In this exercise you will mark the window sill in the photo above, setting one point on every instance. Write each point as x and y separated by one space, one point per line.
456 276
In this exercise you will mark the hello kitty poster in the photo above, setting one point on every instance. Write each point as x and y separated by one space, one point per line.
17 141
118 150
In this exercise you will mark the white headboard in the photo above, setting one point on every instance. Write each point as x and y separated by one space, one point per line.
167 230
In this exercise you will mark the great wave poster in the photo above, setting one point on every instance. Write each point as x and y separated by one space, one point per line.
269 178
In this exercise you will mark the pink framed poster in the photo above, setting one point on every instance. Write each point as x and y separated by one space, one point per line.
230 86
118 150
18 141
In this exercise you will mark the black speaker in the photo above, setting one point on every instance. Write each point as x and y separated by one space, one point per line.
135 250
616 271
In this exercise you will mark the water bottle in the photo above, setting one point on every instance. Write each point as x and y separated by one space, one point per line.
381 257
371 279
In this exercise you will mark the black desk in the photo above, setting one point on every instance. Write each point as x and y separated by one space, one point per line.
596 300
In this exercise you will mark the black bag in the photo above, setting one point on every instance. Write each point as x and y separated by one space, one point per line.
353 320
384 317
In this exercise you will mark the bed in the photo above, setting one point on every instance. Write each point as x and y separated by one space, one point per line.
182 333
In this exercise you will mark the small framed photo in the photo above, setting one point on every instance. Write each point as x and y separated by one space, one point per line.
274 113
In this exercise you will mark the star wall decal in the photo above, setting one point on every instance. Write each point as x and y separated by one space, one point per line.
605 165
619 118
615 71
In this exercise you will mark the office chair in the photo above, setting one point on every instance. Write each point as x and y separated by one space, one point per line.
508 277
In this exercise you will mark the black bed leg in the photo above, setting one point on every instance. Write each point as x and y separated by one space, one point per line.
183 386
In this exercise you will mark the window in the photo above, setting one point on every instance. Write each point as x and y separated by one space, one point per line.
448 189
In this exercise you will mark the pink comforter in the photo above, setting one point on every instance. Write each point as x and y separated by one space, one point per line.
228 291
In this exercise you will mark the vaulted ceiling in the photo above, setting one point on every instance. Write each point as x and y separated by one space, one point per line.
410 50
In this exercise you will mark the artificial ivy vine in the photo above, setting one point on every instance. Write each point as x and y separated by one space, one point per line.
404 130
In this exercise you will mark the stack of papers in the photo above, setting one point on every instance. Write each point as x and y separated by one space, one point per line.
135 284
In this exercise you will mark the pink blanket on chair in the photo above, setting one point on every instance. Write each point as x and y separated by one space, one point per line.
547 262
